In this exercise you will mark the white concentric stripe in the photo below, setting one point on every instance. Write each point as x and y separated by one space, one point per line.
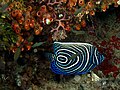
96 57
58 64
87 52
71 43
81 55
66 59
76 68
87 61
56 47
63 64
90 67
69 66
82 60
65 50
79 49
61 50
62 53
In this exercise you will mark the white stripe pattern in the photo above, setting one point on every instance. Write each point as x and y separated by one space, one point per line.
84 57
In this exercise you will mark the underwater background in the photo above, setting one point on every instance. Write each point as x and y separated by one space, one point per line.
28 29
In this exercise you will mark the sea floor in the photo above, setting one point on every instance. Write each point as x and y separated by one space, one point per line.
40 77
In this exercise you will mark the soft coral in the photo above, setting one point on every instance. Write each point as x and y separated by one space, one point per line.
108 47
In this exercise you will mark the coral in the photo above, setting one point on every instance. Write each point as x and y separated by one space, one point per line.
32 70
32 21
59 35
53 17
108 44
108 49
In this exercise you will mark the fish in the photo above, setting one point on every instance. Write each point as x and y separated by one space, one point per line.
74 58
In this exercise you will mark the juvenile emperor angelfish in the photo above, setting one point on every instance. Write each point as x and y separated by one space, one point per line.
74 58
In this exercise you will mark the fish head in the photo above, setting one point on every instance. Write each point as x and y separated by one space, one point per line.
50 56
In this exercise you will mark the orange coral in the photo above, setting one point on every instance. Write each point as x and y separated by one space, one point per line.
92 12
63 1
81 2
77 26
29 8
104 7
52 14
38 29
72 3
83 23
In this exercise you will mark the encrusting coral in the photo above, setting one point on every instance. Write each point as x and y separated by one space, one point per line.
29 27
53 19
32 17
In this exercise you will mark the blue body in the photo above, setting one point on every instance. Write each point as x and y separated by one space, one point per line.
74 58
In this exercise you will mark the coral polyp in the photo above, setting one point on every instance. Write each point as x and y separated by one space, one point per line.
29 29
46 13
